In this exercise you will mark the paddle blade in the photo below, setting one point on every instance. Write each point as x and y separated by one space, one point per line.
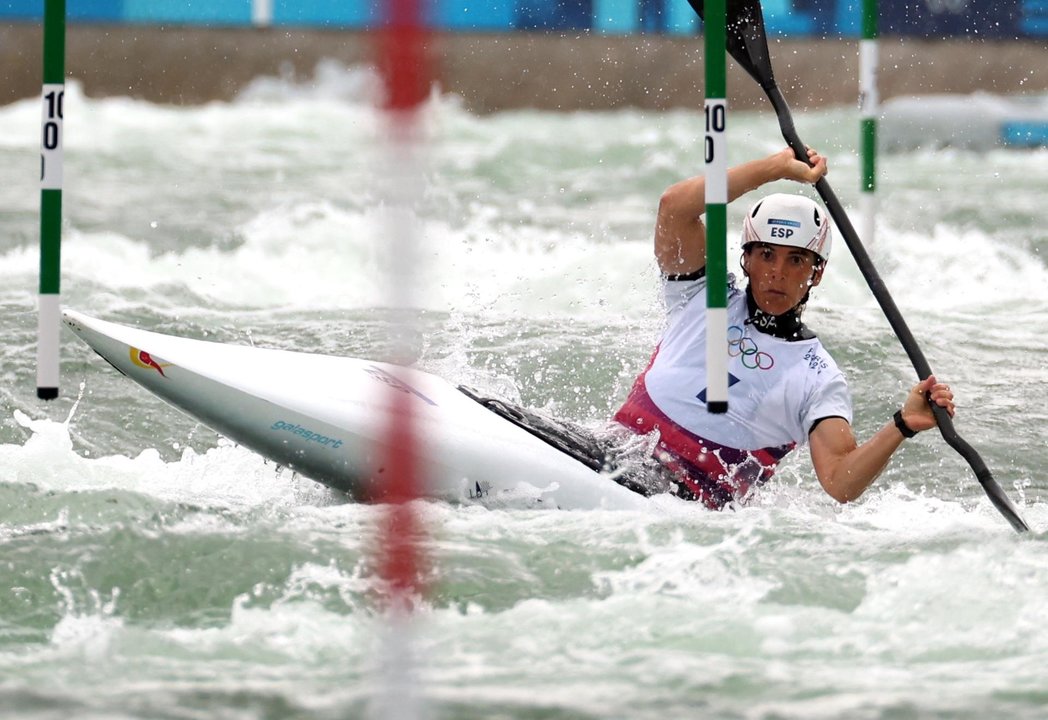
746 39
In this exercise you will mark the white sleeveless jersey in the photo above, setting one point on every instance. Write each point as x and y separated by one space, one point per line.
777 389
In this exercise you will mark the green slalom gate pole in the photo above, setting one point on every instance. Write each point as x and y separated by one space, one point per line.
49 321
716 170
869 103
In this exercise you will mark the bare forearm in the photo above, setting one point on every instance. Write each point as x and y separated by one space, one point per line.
687 199
855 471
845 469
680 236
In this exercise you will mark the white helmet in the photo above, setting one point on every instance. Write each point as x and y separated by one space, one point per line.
791 220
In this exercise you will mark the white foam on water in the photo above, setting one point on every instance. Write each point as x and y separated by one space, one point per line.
953 269
327 251
318 257
224 476
683 591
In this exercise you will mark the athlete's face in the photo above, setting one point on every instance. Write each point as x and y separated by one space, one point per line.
780 275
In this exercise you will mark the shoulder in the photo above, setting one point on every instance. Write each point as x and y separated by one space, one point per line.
817 364
809 362
826 391
680 290
823 377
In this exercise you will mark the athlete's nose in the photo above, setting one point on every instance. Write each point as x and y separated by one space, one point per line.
777 266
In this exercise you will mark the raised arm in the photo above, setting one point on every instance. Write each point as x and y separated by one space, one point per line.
680 235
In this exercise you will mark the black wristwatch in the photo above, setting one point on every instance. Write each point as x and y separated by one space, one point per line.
901 424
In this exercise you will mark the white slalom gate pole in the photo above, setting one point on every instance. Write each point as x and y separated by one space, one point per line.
262 13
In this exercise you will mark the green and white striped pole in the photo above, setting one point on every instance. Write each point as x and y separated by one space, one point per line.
716 210
49 321
869 103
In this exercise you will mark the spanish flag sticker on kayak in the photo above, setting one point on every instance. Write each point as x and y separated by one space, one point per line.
144 360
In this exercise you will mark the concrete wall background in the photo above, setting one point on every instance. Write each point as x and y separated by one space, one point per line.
492 72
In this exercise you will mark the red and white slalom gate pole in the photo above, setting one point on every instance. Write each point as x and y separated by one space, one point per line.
405 71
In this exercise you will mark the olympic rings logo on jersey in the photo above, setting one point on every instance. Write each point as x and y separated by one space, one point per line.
745 348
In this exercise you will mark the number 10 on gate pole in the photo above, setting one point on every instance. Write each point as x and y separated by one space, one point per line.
716 171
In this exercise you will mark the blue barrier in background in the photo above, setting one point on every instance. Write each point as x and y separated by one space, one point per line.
784 18
324 13
1027 134
212 12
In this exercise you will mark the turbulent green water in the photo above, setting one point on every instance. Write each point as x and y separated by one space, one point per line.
150 569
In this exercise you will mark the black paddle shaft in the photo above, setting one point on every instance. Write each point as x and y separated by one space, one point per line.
748 45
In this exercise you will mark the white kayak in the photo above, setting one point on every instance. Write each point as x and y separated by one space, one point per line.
327 417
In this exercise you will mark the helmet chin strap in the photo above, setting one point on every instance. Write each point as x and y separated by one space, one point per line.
787 326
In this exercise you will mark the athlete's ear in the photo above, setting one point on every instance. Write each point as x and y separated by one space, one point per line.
743 263
816 274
